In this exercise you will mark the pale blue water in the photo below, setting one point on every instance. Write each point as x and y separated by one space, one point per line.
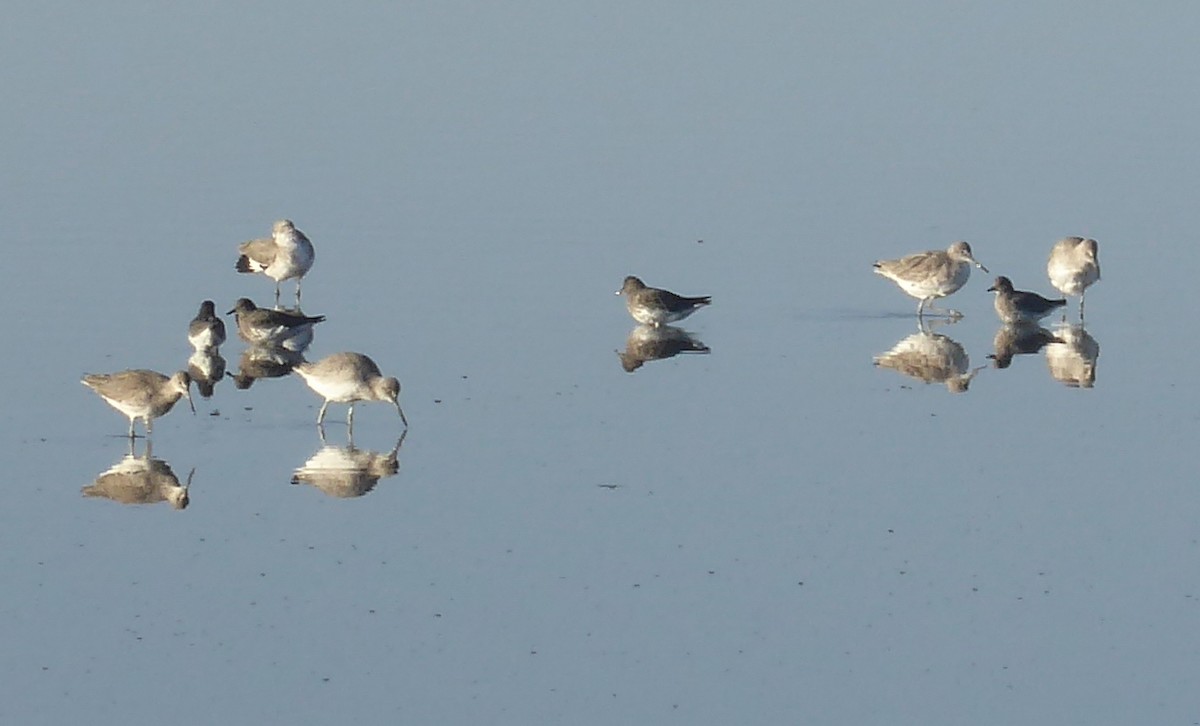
775 532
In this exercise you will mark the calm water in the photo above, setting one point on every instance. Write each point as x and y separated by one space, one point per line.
775 532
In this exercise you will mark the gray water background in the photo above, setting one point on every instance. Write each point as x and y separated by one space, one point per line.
794 536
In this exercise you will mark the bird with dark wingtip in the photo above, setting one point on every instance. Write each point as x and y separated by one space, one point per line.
286 255
262 325
206 331
1019 306
652 306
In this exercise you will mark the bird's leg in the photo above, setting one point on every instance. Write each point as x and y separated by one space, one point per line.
277 293
952 314
149 425
321 413
321 431
350 417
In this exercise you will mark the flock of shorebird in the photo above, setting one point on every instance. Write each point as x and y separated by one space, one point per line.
927 276
1071 352
351 377
339 378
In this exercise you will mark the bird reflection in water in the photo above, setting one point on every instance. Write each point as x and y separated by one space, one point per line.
1021 339
647 343
932 358
347 471
264 361
1072 359
206 367
141 480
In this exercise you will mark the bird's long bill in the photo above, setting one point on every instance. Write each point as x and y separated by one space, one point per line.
401 412
188 396
618 292
980 266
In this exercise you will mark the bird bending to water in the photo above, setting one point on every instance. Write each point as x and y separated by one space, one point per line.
349 378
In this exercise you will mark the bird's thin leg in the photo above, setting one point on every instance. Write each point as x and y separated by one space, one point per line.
321 413
277 292
321 431
921 308
350 417
297 292
944 311
131 434
149 425
1081 298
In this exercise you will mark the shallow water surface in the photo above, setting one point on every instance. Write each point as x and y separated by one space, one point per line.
798 505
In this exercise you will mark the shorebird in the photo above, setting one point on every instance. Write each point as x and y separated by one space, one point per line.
1018 306
141 394
652 306
287 255
1074 266
206 331
349 378
259 326
930 275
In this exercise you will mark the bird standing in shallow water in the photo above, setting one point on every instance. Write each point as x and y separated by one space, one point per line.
141 393
349 378
287 255
206 331
1018 306
652 306
265 326
931 275
1073 266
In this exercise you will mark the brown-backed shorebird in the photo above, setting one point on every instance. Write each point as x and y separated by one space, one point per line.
141 394
652 306
206 331
349 378
1019 306
931 275
263 326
